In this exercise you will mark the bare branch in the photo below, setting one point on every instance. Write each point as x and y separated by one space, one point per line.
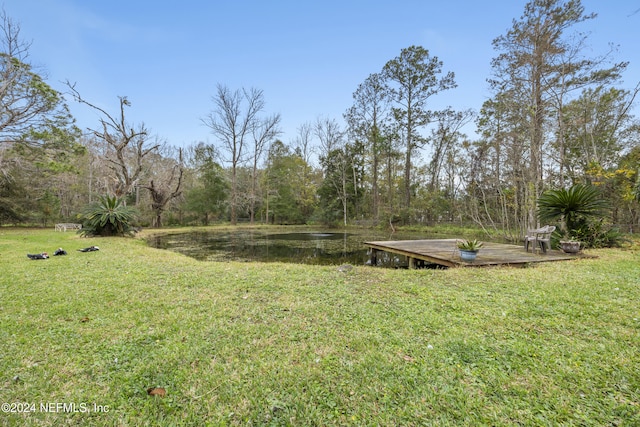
234 118
127 146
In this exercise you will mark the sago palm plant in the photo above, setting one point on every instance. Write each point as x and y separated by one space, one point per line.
572 205
573 208
109 216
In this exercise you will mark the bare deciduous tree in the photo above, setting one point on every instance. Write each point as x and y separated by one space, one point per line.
233 119
329 134
126 145
264 132
303 142
165 185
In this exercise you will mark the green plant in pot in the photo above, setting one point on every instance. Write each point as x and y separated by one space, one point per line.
469 249
569 243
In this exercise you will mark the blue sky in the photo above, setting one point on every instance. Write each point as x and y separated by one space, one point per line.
307 56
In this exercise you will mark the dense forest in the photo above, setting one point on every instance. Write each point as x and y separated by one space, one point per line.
558 116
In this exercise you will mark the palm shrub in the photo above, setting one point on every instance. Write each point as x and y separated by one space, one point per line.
109 216
580 211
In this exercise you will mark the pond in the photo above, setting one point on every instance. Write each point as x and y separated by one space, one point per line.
317 247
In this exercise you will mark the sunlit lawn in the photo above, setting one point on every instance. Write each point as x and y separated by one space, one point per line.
285 344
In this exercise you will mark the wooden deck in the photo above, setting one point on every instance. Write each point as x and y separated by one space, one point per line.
444 252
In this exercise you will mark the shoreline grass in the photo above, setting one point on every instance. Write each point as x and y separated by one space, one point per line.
286 344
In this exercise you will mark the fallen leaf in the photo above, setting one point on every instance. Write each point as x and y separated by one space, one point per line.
408 358
84 319
156 391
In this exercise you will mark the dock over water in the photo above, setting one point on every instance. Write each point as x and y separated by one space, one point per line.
444 252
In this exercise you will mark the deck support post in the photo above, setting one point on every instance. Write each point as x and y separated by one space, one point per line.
374 257
412 263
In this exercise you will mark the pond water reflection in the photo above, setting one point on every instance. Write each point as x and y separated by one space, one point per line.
304 247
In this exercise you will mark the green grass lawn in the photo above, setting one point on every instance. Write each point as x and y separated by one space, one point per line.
84 336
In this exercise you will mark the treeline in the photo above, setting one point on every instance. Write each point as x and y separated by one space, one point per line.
557 117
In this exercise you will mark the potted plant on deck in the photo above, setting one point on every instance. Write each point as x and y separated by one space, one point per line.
569 244
469 249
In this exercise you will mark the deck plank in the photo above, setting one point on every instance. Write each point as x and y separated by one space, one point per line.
445 252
